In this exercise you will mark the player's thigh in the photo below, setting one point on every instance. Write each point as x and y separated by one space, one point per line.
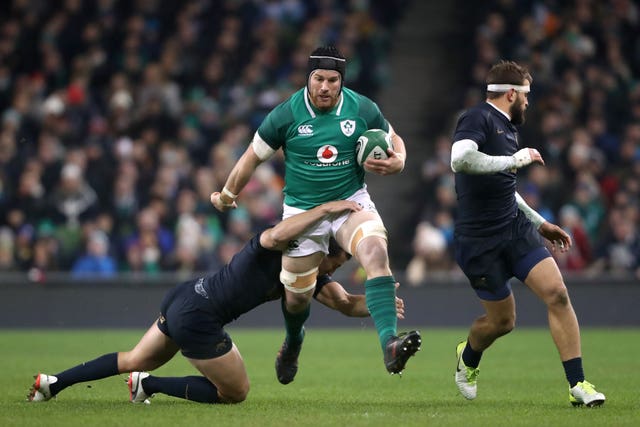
303 263
346 233
545 280
152 351
227 373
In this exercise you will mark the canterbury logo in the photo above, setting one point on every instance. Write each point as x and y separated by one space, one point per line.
199 288
305 130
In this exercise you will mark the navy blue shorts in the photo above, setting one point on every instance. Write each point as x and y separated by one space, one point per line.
490 262
189 319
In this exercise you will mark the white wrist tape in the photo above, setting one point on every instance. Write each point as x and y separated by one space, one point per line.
522 158
229 194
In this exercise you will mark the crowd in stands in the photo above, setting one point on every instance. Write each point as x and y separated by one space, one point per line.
584 118
120 117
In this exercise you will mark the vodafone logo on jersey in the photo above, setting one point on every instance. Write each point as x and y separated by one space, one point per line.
327 154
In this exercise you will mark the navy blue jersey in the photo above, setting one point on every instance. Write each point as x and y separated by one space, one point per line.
486 203
249 280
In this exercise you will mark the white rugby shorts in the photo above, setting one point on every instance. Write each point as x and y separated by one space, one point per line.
316 239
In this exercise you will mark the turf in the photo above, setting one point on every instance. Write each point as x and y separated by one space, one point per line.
341 382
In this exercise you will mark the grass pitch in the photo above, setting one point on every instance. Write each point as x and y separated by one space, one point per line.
341 382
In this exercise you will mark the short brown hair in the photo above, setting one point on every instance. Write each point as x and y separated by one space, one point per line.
507 72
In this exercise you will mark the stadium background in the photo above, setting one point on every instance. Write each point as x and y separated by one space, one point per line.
118 119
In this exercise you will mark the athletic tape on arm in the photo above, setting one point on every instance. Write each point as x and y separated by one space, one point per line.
533 216
261 148
299 283
466 158
368 228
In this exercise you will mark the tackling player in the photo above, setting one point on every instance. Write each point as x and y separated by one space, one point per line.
193 315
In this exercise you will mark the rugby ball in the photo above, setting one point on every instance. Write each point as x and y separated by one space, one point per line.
373 144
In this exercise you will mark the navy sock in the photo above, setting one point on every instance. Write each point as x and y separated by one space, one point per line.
294 322
470 357
573 371
197 389
102 367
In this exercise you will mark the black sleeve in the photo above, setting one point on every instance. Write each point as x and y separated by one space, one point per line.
320 282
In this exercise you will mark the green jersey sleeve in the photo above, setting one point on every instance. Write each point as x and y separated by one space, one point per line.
275 126
370 112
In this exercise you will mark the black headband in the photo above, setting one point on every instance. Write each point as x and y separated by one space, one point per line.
326 63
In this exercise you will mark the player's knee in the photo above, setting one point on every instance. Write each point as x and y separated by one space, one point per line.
299 283
374 259
557 296
298 302
369 228
503 325
234 395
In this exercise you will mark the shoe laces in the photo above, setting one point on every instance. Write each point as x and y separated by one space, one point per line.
587 387
471 374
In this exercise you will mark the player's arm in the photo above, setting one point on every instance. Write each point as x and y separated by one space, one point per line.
334 296
466 158
277 237
556 235
529 212
397 157
237 179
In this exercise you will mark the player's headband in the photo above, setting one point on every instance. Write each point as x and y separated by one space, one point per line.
326 63
508 87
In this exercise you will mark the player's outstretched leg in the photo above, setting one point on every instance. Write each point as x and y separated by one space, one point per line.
287 360
136 391
399 349
584 393
40 390
465 376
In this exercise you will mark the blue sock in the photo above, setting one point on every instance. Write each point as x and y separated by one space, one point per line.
573 371
470 357
380 293
102 367
196 389
294 322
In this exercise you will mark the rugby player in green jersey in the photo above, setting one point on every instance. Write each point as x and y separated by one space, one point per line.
317 128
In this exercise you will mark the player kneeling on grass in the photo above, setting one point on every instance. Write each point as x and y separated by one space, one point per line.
193 315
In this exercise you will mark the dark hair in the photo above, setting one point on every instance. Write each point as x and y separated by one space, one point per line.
335 249
507 72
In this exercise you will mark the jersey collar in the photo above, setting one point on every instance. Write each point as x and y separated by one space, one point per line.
312 110
501 112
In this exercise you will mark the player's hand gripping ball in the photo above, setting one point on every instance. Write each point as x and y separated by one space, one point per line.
373 144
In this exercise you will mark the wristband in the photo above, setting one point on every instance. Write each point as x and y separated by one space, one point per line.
229 194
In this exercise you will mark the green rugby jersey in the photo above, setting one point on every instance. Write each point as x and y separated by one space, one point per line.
319 147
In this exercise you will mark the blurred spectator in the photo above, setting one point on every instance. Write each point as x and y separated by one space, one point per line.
152 240
7 260
430 247
73 200
580 256
96 261
619 251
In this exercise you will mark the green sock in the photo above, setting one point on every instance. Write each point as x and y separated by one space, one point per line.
294 323
381 302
